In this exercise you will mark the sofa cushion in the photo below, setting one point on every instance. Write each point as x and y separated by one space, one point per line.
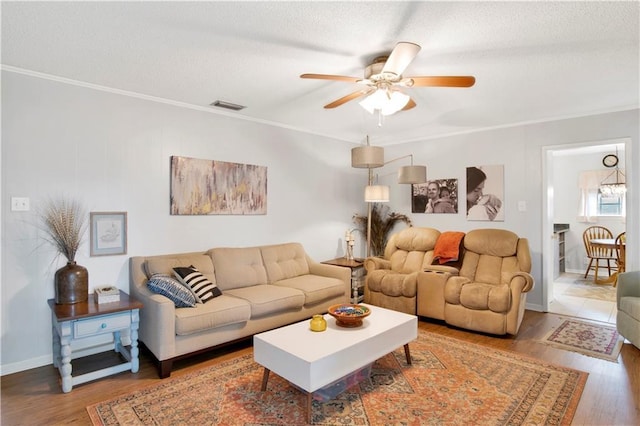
173 289
165 264
392 284
202 288
631 306
492 242
269 299
284 261
478 296
221 311
315 288
238 267
411 249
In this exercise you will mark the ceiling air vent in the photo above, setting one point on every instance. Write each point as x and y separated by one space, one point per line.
227 105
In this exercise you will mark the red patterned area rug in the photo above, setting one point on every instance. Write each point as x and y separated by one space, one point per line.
450 382
592 339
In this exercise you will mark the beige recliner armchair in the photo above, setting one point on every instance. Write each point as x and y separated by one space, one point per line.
489 291
391 280
628 303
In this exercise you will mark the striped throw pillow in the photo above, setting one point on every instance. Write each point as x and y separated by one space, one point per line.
202 288
171 288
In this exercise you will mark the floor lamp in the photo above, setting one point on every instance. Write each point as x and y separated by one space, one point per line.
372 157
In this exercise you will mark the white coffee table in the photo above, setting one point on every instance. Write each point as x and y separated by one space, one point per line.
312 360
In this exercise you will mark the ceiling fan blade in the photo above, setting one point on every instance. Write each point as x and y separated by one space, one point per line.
450 81
400 58
332 77
349 97
409 105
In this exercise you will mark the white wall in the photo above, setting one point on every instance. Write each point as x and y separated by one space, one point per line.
566 170
112 153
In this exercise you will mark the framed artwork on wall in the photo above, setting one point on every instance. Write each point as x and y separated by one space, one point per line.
485 193
108 233
207 187
435 196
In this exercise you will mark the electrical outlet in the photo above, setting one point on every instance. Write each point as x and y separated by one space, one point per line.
19 204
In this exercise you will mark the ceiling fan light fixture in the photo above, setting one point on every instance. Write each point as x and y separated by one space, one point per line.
386 101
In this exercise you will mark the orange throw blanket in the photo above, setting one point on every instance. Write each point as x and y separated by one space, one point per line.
447 247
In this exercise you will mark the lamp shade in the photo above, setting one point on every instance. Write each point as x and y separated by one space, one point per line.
365 157
376 194
412 174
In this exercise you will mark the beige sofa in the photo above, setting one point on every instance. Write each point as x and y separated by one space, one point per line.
488 292
483 290
262 288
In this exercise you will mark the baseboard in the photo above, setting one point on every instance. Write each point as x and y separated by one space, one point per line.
28 364
534 307
41 361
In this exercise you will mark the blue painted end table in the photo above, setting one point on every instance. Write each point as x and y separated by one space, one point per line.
88 319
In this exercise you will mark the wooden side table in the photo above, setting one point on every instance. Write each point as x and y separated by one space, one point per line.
89 319
357 275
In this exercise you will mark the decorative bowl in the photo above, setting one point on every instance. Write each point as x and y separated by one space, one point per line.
349 315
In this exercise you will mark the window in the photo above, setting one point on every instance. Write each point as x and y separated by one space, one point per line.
610 205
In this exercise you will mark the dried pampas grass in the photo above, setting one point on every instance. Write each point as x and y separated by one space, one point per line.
382 222
64 222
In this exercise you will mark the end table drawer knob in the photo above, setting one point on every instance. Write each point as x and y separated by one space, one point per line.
104 324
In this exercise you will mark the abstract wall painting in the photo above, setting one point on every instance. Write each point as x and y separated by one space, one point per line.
207 187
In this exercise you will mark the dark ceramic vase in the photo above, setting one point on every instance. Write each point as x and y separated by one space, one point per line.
71 284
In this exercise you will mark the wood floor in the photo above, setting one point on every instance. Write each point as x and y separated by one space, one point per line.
611 395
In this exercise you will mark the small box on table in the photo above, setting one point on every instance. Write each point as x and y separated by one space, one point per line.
107 294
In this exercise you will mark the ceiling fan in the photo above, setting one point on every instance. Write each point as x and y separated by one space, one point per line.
383 80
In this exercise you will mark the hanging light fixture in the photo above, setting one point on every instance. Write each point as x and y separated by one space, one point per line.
617 188
613 189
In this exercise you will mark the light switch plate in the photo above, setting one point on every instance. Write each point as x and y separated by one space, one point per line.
19 204
522 206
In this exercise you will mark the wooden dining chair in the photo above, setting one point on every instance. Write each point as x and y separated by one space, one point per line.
598 254
620 244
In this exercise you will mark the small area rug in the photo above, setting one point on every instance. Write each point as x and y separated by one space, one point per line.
590 290
449 382
595 340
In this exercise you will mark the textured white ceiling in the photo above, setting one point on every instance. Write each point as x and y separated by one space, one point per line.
532 61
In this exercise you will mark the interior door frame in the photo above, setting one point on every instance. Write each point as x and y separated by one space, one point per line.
548 236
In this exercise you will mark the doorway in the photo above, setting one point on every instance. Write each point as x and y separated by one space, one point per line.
575 296
565 289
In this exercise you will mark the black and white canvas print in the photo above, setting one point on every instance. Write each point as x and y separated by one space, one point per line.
435 196
485 193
